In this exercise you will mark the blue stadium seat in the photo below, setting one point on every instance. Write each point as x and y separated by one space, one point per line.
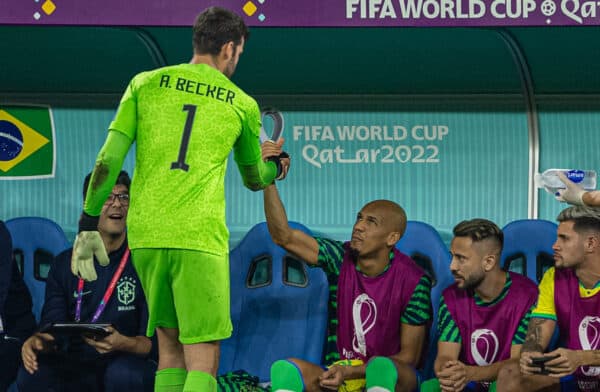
278 306
35 243
528 250
424 244
528 247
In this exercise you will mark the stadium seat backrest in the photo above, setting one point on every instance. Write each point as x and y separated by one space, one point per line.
424 244
35 243
278 306
528 246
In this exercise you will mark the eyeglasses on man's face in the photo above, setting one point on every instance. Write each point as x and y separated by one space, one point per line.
123 198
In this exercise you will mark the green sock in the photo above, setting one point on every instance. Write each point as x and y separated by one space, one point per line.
431 385
286 377
169 380
381 375
197 381
492 387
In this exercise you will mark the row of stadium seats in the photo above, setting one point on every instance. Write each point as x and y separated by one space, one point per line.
278 305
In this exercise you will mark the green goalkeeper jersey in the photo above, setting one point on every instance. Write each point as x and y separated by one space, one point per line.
185 120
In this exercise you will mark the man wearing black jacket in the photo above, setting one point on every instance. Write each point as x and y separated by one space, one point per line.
16 319
117 362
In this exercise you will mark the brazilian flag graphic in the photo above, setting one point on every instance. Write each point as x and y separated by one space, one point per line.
26 142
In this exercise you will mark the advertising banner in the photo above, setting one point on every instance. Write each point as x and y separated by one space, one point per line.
308 13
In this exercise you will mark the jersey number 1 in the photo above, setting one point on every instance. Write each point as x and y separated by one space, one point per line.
185 138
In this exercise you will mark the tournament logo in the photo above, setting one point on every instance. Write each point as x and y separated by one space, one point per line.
362 325
589 337
484 346
274 118
26 143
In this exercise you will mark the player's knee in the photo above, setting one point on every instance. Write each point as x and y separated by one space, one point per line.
384 374
509 378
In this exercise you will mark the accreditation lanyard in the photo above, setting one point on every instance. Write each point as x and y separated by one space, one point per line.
107 294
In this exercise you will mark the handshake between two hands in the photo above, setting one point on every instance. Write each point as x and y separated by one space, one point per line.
272 151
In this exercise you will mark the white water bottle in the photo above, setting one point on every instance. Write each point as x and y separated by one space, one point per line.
549 180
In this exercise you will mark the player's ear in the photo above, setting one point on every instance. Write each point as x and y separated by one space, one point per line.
490 261
228 50
393 237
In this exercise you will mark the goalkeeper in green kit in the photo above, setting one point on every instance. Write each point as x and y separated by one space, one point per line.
185 120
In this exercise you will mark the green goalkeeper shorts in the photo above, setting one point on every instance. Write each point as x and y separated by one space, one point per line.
187 290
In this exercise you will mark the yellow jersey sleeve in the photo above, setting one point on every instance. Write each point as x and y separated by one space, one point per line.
545 306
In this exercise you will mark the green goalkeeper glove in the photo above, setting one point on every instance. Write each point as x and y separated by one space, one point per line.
88 244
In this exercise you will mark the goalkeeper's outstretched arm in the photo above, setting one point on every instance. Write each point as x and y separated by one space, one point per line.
88 242
108 165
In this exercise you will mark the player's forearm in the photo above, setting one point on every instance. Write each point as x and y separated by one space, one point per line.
354 372
588 357
258 175
539 333
487 373
108 164
440 362
277 220
139 345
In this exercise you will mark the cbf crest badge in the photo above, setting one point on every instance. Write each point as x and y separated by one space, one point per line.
126 290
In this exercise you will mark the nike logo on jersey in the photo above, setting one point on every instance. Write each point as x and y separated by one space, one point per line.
82 294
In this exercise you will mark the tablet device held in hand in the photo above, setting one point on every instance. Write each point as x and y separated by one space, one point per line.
92 330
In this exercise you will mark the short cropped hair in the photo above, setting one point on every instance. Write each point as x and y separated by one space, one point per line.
479 230
122 179
584 218
216 26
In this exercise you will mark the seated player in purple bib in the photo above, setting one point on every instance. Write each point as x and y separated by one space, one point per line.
483 316
379 303
570 300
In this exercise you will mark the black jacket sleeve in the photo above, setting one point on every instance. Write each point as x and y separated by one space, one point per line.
6 263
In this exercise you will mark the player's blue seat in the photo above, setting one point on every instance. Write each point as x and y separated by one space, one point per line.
528 247
35 243
424 244
278 306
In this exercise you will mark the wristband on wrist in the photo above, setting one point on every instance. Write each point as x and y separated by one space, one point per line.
277 161
88 222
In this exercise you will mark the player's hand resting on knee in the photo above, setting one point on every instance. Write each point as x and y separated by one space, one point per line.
332 378
37 343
